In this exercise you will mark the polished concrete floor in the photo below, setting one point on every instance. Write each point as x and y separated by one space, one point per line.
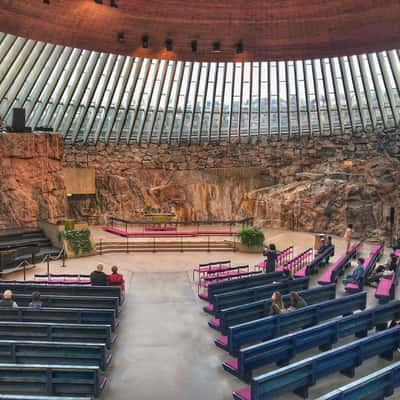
165 348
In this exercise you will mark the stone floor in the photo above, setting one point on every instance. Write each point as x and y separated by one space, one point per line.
165 349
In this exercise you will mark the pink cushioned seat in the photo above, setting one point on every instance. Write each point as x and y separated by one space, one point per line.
223 340
232 363
215 322
385 283
209 308
243 394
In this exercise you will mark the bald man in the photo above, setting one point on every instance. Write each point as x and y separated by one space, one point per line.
7 300
98 277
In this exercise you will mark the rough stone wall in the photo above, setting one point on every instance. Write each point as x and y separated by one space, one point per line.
31 179
299 184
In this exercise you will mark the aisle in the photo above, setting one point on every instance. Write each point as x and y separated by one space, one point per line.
164 348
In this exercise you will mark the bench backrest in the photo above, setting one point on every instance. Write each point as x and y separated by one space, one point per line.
344 358
61 290
27 397
23 300
278 325
284 348
237 284
50 379
59 353
63 315
56 332
259 309
333 271
378 385
249 295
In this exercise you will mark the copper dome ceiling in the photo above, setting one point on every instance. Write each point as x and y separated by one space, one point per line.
267 29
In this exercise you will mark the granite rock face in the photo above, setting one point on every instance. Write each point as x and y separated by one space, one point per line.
31 179
299 184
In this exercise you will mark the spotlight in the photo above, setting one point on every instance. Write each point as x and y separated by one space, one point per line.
113 3
239 47
121 37
193 45
216 47
46 1
168 44
145 41
98 1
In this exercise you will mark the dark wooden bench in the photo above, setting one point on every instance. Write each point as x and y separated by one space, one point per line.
298 377
259 309
278 325
63 315
51 380
57 332
55 301
283 349
61 289
59 353
238 284
378 385
238 297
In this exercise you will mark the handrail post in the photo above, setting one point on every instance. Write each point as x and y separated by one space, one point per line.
101 247
24 271
48 267
208 241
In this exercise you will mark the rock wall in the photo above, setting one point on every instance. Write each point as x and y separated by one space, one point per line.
31 179
299 184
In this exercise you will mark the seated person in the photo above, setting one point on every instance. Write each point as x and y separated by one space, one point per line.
35 303
325 245
277 306
380 271
116 279
98 277
396 244
7 300
286 274
296 301
357 275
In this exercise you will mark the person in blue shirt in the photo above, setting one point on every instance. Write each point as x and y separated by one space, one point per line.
357 275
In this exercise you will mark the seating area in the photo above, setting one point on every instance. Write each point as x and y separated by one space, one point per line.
338 267
297 262
167 233
387 284
258 341
369 264
19 245
61 349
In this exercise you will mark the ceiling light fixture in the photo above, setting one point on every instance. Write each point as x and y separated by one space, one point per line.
145 41
239 47
216 47
168 44
113 3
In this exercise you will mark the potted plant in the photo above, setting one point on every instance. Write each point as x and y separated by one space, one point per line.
251 240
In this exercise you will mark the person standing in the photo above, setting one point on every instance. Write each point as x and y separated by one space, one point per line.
347 237
272 255
98 277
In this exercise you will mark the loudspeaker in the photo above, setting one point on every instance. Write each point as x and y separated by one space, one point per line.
18 119
391 215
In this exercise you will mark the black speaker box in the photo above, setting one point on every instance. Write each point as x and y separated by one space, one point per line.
18 119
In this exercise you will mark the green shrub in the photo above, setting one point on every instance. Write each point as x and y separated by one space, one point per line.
251 236
79 241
